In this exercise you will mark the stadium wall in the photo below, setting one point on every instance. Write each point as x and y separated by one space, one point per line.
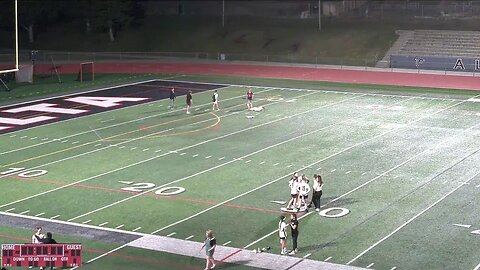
435 63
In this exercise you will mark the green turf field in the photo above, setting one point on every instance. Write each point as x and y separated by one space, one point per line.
403 162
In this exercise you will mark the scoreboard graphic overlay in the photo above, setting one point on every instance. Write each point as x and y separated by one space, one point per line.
41 255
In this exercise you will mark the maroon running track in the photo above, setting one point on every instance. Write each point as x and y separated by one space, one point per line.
284 72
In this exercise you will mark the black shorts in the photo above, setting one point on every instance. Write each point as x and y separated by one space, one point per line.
189 103
294 196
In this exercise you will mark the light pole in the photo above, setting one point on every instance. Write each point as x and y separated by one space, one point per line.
223 13
319 16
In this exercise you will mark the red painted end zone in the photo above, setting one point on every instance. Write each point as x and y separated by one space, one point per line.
297 73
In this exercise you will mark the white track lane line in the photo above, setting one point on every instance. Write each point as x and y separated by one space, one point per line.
111 126
373 179
412 219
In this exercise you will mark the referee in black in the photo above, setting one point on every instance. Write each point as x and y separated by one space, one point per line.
294 227
172 97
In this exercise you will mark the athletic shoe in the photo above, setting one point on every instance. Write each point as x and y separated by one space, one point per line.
292 252
317 209
188 112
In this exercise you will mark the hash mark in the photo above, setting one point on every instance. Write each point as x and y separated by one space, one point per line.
103 224
54 217
289 165
348 172
208 156
276 164
226 243
181 154
248 161
370 265
11 209
24 212
119 226
40 214
327 259
262 162
333 170
196 155
190 237
136 229
171 234
364 173
146 149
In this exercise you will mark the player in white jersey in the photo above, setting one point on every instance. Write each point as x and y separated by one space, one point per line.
303 189
293 191
282 233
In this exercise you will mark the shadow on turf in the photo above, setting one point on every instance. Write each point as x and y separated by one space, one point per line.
237 263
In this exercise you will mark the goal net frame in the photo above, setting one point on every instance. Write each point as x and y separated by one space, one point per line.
16 41
83 75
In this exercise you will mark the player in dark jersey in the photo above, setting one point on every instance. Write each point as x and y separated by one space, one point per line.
294 227
172 97
189 101
249 99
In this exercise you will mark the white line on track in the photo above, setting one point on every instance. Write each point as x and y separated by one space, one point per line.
54 217
106 127
102 224
412 219
40 214
190 237
171 234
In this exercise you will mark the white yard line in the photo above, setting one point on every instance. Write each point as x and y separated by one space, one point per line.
477 267
412 219
378 176
107 127
207 170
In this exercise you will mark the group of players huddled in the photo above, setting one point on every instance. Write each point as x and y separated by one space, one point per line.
300 189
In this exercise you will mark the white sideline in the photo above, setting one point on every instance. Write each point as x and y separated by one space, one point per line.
155 157
218 166
114 125
413 218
